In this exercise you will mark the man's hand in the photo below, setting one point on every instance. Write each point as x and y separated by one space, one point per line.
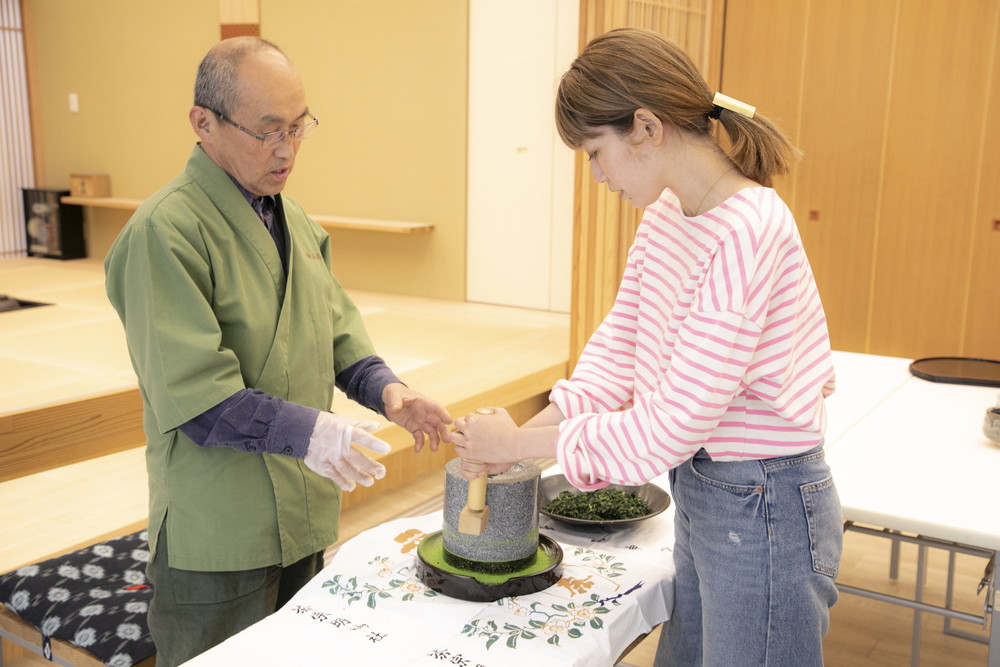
331 455
423 418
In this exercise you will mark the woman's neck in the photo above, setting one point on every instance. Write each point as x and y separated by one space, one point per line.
705 176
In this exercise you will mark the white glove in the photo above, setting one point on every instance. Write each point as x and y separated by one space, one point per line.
330 453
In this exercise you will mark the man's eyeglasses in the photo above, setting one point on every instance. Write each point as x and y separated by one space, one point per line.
276 138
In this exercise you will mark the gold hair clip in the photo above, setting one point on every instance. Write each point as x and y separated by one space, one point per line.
726 102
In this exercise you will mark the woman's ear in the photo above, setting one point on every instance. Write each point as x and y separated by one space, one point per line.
646 125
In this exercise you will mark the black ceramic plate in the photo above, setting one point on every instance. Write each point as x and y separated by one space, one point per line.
550 487
958 370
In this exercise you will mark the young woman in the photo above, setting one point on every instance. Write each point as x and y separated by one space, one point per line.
713 362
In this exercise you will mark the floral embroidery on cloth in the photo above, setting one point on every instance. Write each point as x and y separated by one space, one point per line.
547 620
368 606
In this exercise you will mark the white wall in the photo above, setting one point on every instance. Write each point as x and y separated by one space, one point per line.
520 188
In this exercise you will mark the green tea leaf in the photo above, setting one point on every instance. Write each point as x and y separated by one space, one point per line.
605 504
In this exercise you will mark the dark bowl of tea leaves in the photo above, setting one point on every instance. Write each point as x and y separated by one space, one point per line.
614 506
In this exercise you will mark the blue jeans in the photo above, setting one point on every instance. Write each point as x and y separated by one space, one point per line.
758 545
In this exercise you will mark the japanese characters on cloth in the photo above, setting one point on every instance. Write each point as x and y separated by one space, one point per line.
368 605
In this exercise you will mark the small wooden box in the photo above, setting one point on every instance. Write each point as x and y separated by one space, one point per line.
89 185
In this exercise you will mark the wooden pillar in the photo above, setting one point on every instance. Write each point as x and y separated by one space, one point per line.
239 18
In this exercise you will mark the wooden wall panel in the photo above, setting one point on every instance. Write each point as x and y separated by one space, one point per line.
762 64
843 120
899 188
937 109
982 331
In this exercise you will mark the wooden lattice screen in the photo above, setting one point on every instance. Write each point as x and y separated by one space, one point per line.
16 163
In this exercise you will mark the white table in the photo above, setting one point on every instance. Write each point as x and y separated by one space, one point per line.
367 607
908 455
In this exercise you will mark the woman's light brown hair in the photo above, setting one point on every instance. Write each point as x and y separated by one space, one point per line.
629 68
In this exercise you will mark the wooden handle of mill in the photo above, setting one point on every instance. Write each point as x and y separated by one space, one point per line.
476 500
477 494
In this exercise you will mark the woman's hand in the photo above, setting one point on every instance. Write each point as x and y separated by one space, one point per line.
471 469
486 436
490 442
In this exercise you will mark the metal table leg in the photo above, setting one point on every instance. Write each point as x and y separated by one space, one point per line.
918 596
992 604
989 582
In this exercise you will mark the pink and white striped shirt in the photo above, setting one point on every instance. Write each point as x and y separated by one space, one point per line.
717 340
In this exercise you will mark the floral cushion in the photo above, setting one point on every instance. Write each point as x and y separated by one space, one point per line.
95 598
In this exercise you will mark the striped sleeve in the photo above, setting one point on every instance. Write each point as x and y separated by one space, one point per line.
667 426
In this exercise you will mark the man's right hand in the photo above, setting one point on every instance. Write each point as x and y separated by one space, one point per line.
331 455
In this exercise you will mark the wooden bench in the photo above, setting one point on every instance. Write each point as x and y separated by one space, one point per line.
20 641
61 510
95 597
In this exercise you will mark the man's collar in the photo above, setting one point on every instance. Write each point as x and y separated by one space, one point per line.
249 196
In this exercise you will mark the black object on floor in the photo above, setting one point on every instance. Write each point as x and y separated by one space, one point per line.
9 304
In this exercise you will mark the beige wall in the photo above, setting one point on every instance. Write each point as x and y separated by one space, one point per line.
387 80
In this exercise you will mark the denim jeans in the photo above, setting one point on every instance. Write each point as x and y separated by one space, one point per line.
758 544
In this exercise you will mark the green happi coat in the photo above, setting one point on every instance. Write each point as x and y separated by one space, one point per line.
207 310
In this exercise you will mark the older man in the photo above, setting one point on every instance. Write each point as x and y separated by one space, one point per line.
238 333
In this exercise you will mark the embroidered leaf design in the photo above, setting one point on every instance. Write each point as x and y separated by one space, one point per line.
348 588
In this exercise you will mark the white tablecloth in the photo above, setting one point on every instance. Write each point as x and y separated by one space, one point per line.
367 607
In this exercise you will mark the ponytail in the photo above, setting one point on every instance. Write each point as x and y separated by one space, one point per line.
756 145
628 68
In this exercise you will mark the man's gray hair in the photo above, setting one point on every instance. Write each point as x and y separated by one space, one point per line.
216 84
